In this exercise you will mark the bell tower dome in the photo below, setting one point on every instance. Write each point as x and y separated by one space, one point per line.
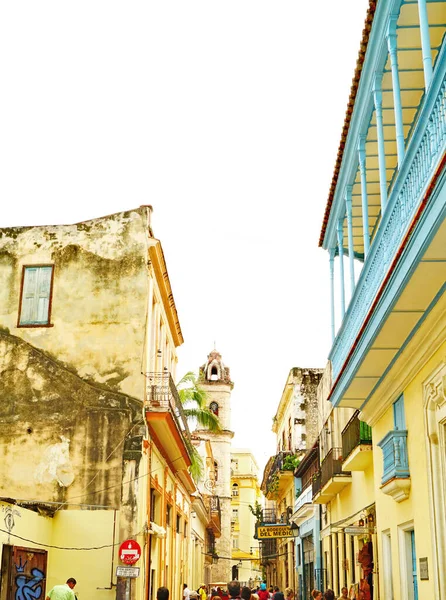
215 379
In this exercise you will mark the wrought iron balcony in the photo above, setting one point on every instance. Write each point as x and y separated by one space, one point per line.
356 444
268 551
317 485
162 394
280 465
331 466
166 420
269 515
214 515
332 477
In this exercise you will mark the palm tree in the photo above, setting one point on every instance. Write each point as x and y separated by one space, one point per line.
194 401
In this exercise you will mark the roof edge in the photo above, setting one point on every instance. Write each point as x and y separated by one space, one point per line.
348 115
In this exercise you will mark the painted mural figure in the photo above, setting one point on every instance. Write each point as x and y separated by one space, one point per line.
29 589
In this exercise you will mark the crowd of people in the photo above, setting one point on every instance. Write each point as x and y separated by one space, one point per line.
234 591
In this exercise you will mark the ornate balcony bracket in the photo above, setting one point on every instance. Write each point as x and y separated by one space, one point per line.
398 489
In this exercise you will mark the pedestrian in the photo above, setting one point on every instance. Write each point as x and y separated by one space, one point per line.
316 595
329 595
271 593
254 594
186 592
276 589
245 593
63 591
263 592
234 589
344 593
162 594
289 593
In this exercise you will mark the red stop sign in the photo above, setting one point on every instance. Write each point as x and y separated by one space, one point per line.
129 552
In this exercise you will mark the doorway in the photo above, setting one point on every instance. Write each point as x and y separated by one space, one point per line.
23 574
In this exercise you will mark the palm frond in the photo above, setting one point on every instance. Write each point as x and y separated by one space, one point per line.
204 417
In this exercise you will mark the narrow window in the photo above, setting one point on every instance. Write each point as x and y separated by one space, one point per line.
235 489
35 302
399 418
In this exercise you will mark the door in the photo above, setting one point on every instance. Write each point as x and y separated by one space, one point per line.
27 574
414 565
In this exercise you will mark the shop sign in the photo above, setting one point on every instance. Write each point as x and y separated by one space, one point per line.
127 571
424 569
265 532
358 531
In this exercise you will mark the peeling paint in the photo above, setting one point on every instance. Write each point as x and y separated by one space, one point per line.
56 465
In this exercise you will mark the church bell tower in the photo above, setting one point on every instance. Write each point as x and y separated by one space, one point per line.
215 380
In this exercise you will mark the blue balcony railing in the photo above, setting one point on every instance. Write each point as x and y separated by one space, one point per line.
394 447
423 154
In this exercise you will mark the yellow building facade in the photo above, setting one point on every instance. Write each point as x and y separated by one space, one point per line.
245 565
96 449
386 213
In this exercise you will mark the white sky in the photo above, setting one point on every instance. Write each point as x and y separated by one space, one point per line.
226 117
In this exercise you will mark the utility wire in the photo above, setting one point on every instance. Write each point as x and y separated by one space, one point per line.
63 547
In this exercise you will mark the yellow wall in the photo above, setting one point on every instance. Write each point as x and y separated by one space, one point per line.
391 514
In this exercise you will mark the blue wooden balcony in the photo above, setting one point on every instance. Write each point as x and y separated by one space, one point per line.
395 480
387 203
395 462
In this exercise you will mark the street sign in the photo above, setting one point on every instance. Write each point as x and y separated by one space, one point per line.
267 532
127 571
359 530
130 552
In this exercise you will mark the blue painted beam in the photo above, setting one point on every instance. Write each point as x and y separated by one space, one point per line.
425 42
365 207
378 100
351 256
340 235
332 253
393 51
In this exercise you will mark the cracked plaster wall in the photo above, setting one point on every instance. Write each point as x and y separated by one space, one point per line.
99 298
57 431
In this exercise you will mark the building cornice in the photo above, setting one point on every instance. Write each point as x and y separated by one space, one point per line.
158 262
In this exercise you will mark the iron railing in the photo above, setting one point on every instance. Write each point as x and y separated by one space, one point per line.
269 515
214 505
356 432
163 394
268 550
316 485
332 466
278 465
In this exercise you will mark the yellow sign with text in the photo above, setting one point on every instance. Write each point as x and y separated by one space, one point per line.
274 531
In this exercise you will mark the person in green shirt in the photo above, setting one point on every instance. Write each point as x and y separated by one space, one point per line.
63 592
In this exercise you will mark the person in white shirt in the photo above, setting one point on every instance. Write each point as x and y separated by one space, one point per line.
186 592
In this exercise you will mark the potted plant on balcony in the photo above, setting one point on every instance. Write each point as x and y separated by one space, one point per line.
290 462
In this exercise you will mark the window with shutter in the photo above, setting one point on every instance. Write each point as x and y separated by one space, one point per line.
36 295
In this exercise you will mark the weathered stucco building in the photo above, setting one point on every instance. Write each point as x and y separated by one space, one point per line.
89 416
